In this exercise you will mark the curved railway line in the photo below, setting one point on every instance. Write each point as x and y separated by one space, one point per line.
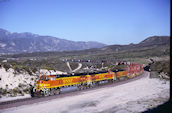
27 101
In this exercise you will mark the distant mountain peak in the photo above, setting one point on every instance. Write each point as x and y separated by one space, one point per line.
156 39
148 42
29 42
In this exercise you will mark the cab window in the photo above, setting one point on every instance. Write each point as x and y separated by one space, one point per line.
42 78
46 78
52 78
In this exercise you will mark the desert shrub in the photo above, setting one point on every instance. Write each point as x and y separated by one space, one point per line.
161 66
14 91
34 70
22 94
26 90
3 91
21 85
117 67
154 74
46 67
17 69
7 67
32 79
6 85
27 69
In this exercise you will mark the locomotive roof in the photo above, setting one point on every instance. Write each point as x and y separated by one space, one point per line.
118 70
80 74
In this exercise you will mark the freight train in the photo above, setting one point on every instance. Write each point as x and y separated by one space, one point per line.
52 84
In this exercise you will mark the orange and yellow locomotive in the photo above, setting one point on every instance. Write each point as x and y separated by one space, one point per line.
52 84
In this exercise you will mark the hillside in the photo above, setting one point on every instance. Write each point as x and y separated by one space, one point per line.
28 42
156 46
150 42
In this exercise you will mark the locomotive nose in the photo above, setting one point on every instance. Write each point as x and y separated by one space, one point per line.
39 84
39 81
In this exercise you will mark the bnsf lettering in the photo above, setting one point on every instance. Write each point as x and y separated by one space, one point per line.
67 81
75 80
60 82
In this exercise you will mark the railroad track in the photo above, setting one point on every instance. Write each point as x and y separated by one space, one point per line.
27 101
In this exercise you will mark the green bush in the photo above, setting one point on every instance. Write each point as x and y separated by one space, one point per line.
15 91
154 74
6 85
27 69
34 70
161 66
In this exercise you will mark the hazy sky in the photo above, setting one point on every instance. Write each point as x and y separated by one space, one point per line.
106 21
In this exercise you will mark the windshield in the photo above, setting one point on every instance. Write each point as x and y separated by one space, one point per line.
44 78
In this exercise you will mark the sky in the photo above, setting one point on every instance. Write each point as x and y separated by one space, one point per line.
106 21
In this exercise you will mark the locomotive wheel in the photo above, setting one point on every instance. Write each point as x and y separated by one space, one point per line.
88 86
52 92
117 79
114 80
83 87
46 92
110 81
93 85
79 87
97 83
57 91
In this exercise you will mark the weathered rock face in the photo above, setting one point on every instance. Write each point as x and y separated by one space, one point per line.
13 84
28 42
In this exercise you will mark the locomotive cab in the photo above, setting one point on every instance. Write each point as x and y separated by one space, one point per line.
43 84
48 78
45 81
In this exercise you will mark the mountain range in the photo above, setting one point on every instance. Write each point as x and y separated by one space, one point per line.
28 43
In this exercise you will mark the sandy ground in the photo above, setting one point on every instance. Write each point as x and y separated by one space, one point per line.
133 97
